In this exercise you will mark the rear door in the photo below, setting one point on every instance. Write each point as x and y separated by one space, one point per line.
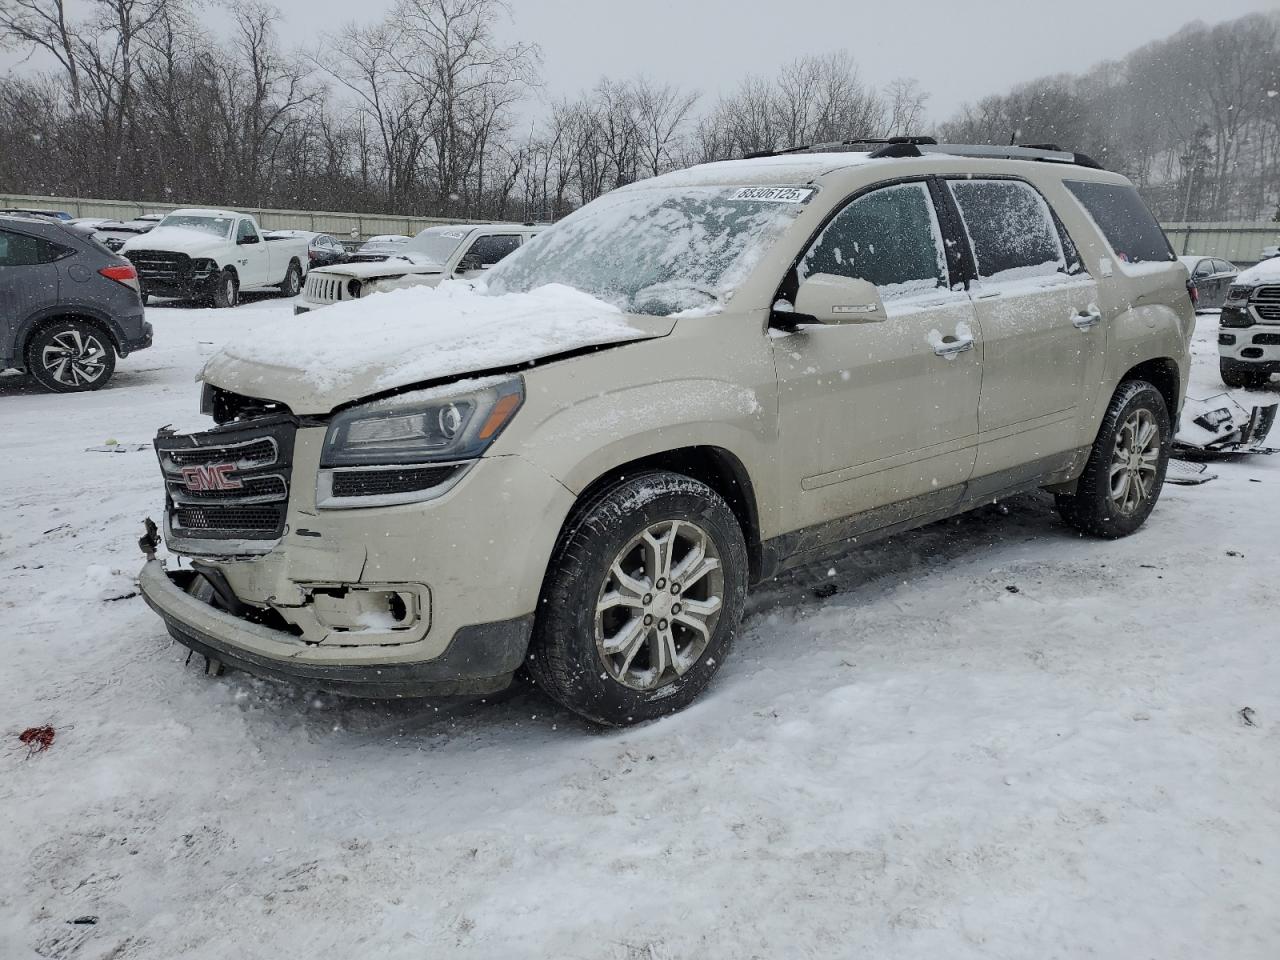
880 414
28 281
1042 333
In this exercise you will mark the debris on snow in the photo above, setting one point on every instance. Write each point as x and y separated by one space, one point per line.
37 739
1247 714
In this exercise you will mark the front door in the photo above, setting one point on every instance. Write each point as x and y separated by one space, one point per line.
252 256
1043 333
880 418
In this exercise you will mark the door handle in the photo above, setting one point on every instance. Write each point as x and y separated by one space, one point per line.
950 346
1087 319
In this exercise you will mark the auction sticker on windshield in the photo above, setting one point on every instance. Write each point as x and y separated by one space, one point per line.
773 194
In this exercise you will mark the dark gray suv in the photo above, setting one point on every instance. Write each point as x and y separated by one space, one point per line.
68 305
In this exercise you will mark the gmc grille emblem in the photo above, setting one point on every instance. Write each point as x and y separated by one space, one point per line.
213 476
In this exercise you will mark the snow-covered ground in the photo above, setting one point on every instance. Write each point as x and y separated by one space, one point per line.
996 739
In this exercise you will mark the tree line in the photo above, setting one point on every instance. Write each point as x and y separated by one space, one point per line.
428 113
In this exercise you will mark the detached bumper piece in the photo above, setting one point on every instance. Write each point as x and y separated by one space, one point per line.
1219 427
480 660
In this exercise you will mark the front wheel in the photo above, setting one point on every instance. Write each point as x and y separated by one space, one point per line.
226 291
641 601
291 286
1125 473
1242 375
70 356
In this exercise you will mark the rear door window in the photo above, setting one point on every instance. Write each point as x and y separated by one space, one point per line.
21 250
1124 220
1011 229
889 237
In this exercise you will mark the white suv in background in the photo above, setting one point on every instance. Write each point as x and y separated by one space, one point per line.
461 251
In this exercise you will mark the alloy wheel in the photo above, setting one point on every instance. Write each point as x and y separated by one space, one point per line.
1135 462
658 607
74 358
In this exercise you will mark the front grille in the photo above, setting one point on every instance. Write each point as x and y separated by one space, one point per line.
253 453
270 487
231 482
1266 301
324 289
378 483
265 520
160 266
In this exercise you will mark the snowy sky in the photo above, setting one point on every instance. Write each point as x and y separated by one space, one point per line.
709 44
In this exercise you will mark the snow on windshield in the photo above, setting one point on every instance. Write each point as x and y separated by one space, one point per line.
436 244
656 251
217 226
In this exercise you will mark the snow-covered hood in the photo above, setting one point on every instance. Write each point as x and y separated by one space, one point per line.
194 243
396 266
323 359
1268 271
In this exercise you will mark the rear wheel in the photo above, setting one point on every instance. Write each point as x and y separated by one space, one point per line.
1242 375
641 601
226 292
1125 473
70 356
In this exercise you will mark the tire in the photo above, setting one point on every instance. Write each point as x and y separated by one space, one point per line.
1101 508
291 285
226 292
662 661
1242 375
70 356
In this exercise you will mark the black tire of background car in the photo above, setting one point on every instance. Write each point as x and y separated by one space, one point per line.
1242 375
563 659
224 294
44 336
291 285
1090 509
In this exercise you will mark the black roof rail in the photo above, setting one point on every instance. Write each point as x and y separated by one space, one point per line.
1045 152
857 141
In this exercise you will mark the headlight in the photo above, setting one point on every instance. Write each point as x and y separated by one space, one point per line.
1239 291
427 426
204 267
353 289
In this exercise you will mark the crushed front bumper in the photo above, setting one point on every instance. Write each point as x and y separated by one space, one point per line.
480 659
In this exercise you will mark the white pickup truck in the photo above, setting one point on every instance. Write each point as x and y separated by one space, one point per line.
214 255
462 251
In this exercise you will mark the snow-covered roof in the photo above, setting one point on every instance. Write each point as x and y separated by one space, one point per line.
201 212
786 168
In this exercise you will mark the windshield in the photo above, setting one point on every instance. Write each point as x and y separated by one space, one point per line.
656 251
217 226
437 244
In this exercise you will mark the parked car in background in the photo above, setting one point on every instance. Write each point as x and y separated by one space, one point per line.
685 386
113 234
60 215
1210 278
378 248
68 307
322 249
214 255
463 251
1269 252
1249 327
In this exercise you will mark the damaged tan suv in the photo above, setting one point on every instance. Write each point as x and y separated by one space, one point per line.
577 468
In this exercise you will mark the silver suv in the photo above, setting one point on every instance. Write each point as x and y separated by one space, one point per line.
580 467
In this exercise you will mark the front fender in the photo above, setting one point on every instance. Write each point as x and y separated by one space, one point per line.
580 443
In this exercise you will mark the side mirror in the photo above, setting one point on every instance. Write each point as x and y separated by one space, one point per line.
827 298
246 240
468 264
